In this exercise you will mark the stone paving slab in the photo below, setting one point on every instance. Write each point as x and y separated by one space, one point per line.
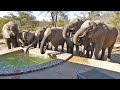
97 63
93 74
115 75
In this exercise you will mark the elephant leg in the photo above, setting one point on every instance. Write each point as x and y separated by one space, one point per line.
82 51
49 46
109 51
62 50
92 50
87 53
103 54
67 46
56 48
71 48
97 50
39 42
8 42
16 43
91 54
35 45
13 42
77 49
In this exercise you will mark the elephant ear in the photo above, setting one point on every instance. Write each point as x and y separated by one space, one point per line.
5 31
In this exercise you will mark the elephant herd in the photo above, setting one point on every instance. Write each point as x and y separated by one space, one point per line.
92 36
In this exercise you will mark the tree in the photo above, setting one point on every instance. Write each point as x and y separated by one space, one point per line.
93 14
55 15
26 20
115 20
83 15
60 23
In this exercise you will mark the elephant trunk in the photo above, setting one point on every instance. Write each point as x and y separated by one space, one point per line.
32 44
65 33
21 41
42 48
80 33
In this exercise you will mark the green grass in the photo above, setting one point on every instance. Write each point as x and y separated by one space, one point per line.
20 60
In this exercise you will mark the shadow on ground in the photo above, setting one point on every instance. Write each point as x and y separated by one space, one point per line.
115 58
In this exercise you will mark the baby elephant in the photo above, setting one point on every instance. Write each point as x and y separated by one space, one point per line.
88 46
25 38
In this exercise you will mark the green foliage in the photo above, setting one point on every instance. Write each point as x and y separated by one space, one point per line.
115 20
60 23
26 20
2 22
93 14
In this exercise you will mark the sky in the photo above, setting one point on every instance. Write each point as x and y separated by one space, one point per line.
71 14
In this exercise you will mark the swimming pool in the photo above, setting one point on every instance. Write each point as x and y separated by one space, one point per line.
13 61
19 59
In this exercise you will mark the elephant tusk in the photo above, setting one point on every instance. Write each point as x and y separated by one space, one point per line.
84 34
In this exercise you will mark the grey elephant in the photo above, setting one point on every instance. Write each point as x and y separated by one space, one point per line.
88 46
103 35
25 38
54 36
10 31
69 30
39 34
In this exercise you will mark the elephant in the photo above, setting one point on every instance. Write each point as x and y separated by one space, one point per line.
88 46
102 34
25 38
9 32
39 34
54 36
69 30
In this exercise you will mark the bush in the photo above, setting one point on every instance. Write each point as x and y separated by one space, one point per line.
115 20
60 23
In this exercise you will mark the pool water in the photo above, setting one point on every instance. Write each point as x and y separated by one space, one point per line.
21 60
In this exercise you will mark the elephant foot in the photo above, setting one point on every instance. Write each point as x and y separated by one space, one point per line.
77 53
62 50
108 60
101 58
67 51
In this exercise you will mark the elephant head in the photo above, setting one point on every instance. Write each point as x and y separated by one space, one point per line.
73 26
10 29
47 37
88 28
39 34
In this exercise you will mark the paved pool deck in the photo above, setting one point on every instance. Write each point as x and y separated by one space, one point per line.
66 70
